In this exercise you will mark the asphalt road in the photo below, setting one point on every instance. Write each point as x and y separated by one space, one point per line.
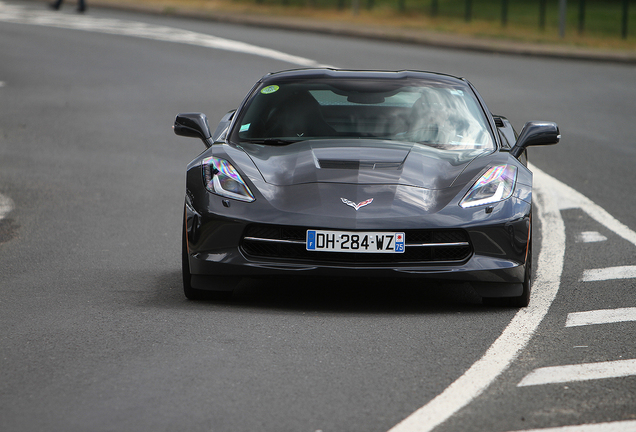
96 334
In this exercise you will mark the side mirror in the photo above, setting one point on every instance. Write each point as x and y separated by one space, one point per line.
193 125
536 133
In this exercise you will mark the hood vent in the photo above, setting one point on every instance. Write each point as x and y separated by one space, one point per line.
357 165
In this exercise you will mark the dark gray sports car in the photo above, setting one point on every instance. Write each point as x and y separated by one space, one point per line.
388 174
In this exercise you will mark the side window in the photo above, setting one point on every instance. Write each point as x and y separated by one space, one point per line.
506 131
504 141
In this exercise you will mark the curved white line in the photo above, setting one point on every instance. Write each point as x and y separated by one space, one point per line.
517 334
21 15
552 197
570 198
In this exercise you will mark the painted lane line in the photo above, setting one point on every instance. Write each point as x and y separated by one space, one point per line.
590 237
609 273
15 14
553 196
517 334
570 198
579 372
6 205
606 316
619 426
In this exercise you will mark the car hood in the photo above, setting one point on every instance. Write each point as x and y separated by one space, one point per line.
360 162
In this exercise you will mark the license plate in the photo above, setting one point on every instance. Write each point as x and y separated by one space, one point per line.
350 241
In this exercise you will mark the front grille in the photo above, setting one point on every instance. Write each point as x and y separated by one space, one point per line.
435 246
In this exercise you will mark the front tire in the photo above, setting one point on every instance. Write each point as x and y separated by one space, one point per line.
190 293
524 299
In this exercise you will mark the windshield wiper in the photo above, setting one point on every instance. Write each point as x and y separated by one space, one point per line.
271 141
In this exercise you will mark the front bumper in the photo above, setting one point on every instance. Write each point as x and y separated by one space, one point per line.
496 262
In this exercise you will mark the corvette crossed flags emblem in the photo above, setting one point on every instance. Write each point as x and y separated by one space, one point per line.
357 206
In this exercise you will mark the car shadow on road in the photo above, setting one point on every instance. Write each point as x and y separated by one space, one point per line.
337 295
356 295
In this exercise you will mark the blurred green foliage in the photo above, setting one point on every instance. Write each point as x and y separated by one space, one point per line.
590 17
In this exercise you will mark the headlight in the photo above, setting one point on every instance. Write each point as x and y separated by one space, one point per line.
221 178
497 184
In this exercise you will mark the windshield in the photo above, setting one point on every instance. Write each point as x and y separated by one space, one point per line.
435 114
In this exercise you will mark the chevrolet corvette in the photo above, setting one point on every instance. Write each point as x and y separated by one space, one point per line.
325 172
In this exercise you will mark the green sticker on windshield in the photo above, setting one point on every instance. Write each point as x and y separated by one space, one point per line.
270 89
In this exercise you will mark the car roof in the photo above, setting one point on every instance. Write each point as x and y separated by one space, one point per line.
327 73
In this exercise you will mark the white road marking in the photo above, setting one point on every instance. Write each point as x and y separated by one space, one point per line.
6 205
552 196
517 334
605 316
579 372
21 15
590 237
619 426
569 198
609 273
